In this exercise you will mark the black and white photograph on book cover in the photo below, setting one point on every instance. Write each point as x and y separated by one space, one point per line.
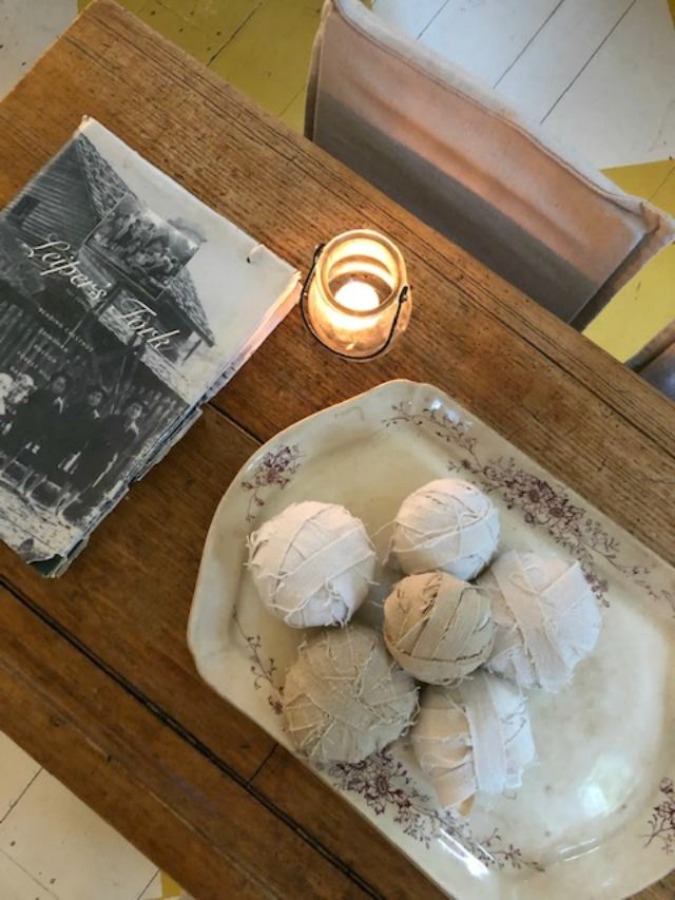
112 327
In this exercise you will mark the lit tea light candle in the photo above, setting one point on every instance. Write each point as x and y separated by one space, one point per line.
357 295
356 299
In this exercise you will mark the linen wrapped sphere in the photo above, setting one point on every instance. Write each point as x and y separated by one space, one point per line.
475 737
344 698
312 564
447 524
437 627
547 618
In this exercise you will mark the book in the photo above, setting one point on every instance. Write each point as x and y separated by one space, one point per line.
125 304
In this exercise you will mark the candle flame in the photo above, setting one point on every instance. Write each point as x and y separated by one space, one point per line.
358 296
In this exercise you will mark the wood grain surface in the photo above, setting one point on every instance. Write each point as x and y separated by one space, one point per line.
117 619
127 598
174 803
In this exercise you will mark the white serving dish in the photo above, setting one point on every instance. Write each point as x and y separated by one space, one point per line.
595 817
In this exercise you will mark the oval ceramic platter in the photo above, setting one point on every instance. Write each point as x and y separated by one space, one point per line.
595 817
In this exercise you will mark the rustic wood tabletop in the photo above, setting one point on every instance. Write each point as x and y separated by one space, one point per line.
96 681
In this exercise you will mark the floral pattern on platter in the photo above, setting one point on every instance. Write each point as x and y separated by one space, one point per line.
275 469
662 822
386 786
541 503
263 670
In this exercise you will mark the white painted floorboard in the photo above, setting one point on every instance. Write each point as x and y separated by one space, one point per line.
17 770
410 16
27 28
153 890
621 108
15 884
69 849
484 37
558 53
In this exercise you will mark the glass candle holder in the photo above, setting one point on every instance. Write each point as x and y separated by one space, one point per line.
356 299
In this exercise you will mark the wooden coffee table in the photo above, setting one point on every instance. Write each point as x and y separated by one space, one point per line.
96 681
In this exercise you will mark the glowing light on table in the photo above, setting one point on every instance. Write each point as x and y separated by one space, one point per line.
356 300
358 295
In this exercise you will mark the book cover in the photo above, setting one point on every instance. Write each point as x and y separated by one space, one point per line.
125 303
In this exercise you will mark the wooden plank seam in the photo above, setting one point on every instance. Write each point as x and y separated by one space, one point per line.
193 741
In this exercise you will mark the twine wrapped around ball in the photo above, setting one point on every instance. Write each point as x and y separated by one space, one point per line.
312 564
547 618
475 737
344 698
437 627
447 524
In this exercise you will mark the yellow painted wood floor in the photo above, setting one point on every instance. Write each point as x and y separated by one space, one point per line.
263 48
260 46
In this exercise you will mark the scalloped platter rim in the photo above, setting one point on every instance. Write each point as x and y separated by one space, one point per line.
595 816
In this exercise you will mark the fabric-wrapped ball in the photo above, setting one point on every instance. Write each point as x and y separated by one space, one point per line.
547 618
475 737
312 564
447 524
344 698
437 627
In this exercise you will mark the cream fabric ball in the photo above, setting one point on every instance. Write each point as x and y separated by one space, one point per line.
312 564
475 737
547 618
344 698
446 524
437 627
